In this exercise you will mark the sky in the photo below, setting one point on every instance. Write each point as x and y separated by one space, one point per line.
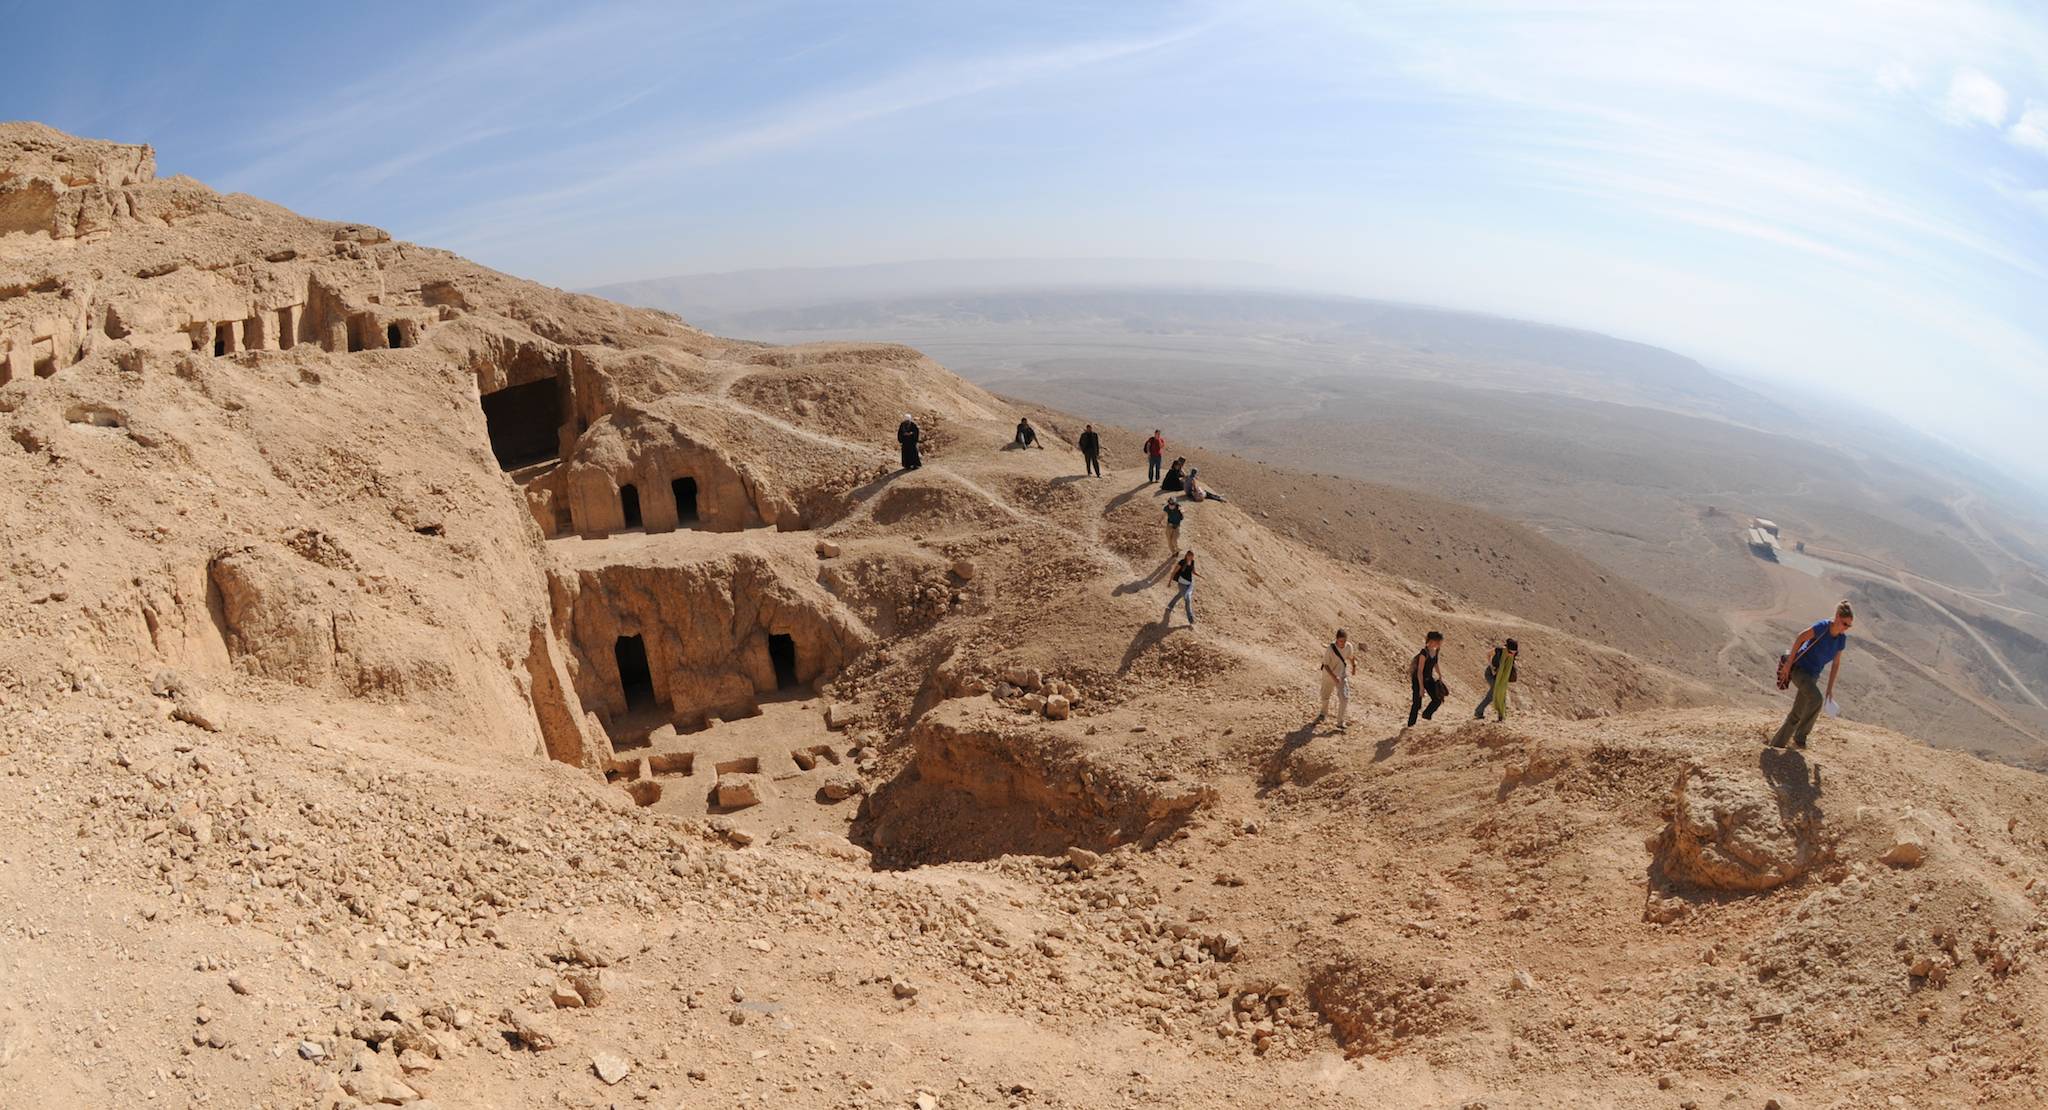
1849 197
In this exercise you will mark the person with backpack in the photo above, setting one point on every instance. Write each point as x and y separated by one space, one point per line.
1027 436
1091 449
1423 678
907 436
1174 515
1184 592
1816 647
1338 667
1155 455
1500 671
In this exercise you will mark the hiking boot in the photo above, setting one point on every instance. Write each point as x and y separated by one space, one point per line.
1800 743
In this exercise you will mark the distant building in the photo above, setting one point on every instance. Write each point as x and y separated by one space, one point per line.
1768 526
1763 544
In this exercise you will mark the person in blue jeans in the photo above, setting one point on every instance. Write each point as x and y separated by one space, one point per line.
1815 648
1184 579
1155 455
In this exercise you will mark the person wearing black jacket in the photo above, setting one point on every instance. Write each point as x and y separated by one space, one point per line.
1422 678
907 436
1091 449
1027 436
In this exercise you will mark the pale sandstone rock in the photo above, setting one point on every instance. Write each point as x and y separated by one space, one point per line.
738 791
1728 832
609 1066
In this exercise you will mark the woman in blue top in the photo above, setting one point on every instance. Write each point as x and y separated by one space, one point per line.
1817 647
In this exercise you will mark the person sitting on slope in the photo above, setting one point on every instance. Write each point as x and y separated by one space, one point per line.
1176 479
1199 492
1027 436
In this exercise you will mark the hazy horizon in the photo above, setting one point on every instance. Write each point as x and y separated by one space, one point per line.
1847 197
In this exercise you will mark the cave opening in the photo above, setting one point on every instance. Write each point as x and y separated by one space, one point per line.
629 504
287 329
636 681
392 338
524 422
782 654
223 339
685 490
356 339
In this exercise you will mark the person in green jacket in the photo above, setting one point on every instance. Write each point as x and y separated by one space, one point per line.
1500 671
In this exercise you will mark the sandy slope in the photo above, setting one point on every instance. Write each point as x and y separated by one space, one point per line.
290 653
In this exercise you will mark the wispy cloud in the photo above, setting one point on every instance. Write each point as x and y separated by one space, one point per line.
834 114
2031 129
1975 99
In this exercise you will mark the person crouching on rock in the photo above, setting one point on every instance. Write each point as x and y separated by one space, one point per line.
1816 647
1339 665
1423 678
1184 591
1500 670
1027 436
907 435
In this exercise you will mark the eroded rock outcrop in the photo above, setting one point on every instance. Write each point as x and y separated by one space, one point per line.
1738 832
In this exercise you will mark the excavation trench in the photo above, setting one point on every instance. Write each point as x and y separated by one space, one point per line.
982 787
682 643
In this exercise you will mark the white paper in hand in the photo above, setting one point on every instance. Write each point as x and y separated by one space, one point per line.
1832 708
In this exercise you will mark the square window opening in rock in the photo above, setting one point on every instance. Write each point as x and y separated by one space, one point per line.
524 423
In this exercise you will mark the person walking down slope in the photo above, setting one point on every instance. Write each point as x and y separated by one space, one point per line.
907 436
1423 678
1816 647
1500 670
1174 515
1155 455
1027 436
1091 449
1338 667
1184 589
1176 480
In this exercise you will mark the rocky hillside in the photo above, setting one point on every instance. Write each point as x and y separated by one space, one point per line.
427 687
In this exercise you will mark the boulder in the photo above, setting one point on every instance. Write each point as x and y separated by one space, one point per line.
531 1030
1907 849
609 1066
827 549
1733 831
841 785
738 791
1057 707
963 569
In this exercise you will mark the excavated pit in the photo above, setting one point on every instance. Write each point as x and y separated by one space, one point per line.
662 638
983 785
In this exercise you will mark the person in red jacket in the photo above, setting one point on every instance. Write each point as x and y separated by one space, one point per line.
1155 451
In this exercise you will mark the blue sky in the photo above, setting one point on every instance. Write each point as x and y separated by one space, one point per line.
1847 195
